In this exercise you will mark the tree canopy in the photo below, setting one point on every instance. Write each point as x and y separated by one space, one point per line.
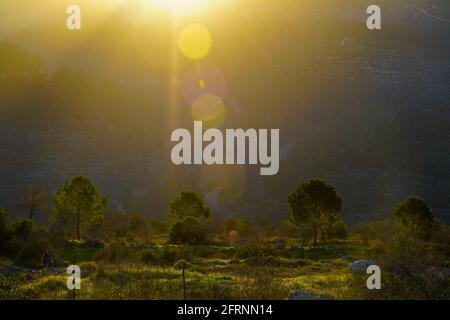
314 204
78 203
415 215
188 204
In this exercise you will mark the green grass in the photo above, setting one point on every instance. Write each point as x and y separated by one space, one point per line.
214 273
76 254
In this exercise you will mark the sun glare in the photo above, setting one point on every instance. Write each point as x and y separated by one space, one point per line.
181 7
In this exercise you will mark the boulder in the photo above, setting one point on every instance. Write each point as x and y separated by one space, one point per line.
307 295
360 266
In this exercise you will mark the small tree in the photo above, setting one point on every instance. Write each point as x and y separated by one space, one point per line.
314 204
188 204
239 224
35 200
415 215
79 202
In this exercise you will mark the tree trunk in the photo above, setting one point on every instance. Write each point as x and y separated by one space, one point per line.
78 225
302 252
315 235
315 224
184 281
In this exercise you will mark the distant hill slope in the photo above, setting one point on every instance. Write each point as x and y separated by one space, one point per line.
368 111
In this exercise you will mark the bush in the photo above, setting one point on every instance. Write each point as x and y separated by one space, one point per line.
254 250
377 230
90 266
22 228
149 257
116 252
92 244
337 231
168 255
237 224
188 231
30 253
412 269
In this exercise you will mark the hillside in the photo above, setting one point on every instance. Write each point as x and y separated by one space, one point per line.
368 111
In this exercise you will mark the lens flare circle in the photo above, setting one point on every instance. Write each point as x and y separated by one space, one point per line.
210 109
195 41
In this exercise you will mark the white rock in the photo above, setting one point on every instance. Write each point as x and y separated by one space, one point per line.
360 266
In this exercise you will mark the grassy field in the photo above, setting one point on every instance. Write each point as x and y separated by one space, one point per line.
136 271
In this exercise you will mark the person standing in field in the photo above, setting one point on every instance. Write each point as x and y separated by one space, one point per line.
45 260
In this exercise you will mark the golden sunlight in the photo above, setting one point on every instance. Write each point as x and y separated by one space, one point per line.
181 7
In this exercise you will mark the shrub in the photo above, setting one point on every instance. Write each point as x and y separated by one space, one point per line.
238 224
22 228
149 257
116 252
337 231
254 250
92 244
377 230
31 252
188 231
412 269
168 255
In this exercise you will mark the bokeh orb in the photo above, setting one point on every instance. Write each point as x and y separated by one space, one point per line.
195 41
210 109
